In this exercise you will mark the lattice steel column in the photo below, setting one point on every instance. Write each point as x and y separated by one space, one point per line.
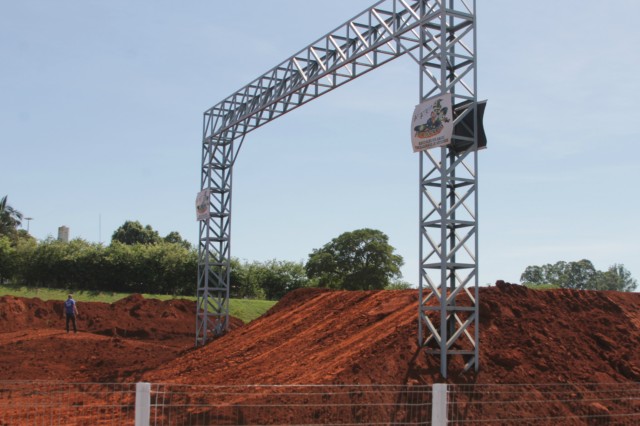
448 305
214 251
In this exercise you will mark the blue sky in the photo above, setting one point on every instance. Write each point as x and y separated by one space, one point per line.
101 114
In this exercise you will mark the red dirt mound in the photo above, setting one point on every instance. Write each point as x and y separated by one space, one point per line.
115 342
133 316
526 336
318 336
338 337
558 336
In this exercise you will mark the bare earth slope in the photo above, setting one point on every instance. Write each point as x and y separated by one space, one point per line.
314 337
526 336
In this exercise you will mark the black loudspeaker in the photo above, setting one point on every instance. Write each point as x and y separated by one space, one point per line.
465 127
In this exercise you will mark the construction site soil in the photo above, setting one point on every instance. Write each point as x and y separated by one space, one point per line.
316 336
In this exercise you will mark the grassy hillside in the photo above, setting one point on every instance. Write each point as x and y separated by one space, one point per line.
245 309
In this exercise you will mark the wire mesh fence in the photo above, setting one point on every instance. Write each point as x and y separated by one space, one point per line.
55 403
551 404
284 405
40 403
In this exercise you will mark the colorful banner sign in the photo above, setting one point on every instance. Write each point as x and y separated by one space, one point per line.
202 205
432 123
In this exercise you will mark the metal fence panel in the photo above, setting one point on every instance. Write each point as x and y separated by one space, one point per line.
291 404
545 404
56 403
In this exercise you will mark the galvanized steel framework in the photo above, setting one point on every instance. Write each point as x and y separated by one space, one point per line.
440 36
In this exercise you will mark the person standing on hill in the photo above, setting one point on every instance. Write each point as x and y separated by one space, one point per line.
71 310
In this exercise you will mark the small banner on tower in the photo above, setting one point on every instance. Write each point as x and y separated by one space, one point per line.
202 205
432 123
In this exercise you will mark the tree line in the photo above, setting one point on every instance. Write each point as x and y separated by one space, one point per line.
163 266
579 275
139 260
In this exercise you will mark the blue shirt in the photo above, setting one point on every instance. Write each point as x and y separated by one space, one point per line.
69 305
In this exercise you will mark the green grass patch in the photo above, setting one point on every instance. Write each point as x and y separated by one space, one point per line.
245 309
541 286
248 310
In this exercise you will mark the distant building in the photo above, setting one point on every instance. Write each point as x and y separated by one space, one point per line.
63 234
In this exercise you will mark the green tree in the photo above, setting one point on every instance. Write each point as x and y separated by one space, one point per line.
44 265
81 264
580 275
132 232
359 260
534 275
175 238
165 268
23 264
617 277
246 279
270 280
12 256
554 273
279 277
7 259
10 220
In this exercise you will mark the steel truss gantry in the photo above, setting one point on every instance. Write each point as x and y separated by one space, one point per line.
448 309
440 37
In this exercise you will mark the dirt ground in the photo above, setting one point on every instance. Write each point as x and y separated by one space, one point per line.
526 336
314 336
115 342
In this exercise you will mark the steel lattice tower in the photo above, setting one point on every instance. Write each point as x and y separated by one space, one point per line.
448 310
439 35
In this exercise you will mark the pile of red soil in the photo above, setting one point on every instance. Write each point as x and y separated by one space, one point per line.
526 336
316 336
115 342
134 315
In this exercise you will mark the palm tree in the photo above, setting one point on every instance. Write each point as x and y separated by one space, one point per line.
10 218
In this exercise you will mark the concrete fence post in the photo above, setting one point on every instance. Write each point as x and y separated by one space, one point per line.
143 403
439 404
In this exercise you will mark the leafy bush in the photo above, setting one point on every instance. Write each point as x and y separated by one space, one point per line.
168 268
